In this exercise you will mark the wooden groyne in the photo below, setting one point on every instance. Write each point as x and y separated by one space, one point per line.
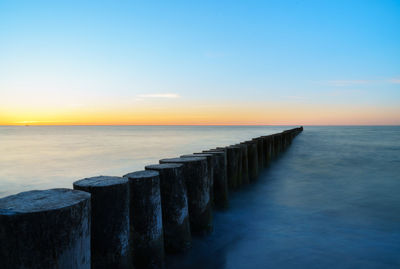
131 221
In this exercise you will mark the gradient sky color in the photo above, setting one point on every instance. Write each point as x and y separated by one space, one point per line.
199 62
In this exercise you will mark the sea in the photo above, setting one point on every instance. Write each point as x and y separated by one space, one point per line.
331 200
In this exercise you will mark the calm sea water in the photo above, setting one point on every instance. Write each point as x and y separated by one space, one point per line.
41 157
332 200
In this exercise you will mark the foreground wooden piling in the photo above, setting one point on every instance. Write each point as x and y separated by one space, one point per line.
45 229
221 193
174 203
110 201
198 189
145 217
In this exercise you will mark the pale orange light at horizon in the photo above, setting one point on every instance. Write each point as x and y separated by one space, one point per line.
228 114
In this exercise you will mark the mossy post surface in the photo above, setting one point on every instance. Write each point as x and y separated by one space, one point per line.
174 204
221 193
45 229
252 157
145 217
195 173
110 201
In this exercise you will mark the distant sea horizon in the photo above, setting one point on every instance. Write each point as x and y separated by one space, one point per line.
327 125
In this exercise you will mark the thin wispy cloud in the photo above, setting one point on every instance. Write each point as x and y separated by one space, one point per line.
343 83
159 95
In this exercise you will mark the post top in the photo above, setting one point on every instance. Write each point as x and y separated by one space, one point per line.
41 200
240 145
143 174
207 155
183 160
163 166
234 146
202 154
219 152
100 181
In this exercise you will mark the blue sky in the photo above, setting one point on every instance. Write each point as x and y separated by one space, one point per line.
310 54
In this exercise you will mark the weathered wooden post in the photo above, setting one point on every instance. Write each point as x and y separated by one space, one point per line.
210 166
245 164
286 140
260 153
221 193
276 144
145 217
45 229
267 143
174 203
195 173
231 169
273 153
234 166
283 142
252 155
110 201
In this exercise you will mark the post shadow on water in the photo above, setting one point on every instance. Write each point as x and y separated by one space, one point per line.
330 201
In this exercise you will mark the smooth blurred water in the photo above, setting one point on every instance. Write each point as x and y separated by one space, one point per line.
41 157
332 200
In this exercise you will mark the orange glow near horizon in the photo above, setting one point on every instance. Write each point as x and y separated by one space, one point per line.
212 114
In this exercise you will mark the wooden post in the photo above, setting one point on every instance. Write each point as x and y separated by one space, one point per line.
45 229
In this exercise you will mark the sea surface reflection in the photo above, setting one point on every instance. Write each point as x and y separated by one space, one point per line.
42 157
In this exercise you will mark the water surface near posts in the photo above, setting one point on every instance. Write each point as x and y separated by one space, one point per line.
114 222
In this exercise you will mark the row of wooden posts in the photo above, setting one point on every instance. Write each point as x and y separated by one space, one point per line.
130 221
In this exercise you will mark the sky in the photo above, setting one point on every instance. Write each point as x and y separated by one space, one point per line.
200 62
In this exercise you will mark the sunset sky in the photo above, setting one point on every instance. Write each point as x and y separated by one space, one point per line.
199 62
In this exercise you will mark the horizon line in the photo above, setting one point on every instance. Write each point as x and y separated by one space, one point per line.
30 125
